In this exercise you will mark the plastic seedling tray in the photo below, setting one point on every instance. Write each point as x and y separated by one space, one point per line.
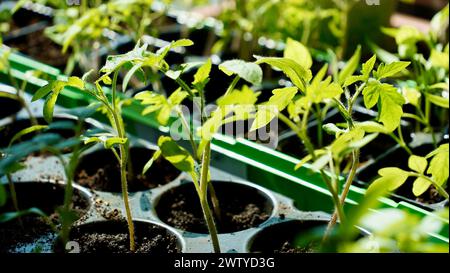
241 158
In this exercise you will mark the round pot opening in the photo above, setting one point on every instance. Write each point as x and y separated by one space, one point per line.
61 126
296 236
113 237
32 233
241 207
8 107
100 171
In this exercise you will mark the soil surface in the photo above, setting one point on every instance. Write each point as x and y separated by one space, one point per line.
241 207
39 47
112 237
32 233
100 170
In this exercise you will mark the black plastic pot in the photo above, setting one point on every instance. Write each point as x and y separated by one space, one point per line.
102 237
241 207
99 170
295 236
33 233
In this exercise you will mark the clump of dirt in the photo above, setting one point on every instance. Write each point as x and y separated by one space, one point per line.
287 247
241 207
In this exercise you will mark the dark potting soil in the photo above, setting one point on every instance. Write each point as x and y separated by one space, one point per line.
100 170
39 47
289 237
33 233
241 207
30 234
113 237
8 107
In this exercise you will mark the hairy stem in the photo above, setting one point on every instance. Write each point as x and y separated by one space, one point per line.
204 200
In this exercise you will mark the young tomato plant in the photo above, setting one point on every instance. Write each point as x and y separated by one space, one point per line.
308 90
83 30
426 174
196 162
112 107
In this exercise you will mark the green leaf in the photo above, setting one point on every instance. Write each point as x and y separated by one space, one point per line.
295 72
250 72
75 82
26 131
148 165
177 156
390 102
130 73
239 97
110 142
391 178
162 52
43 91
49 106
438 100
9 216
309 158
332 129
420 186
296 51
371 127
439 168
417 163
202 73
367 67
277 103
181 43
412 96
389 70
210 127
352 79
177 97
115 62
350 67
159 104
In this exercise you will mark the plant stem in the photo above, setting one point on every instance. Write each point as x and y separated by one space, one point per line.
204 200
319 125
20 98
232 85
346 189
123 178
12 190
310 149
124 154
